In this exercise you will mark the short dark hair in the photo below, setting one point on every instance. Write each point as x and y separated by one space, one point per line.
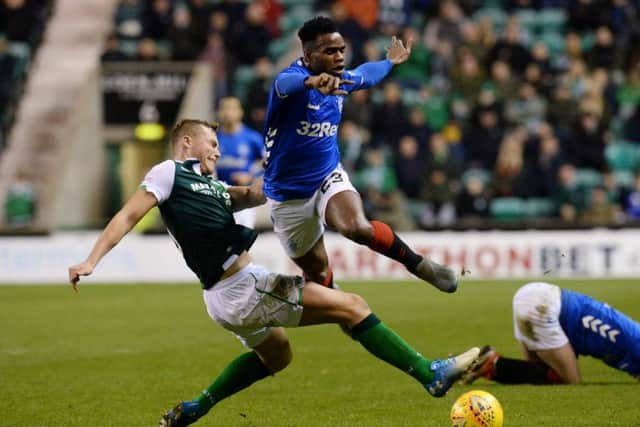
188 126
316 27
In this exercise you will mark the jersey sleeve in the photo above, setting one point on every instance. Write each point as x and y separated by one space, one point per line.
159 180
289 83
367 75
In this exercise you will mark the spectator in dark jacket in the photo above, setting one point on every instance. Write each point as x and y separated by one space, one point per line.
389 118
252 39
483 140
585 147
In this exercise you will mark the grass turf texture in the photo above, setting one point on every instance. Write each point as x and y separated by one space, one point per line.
122 355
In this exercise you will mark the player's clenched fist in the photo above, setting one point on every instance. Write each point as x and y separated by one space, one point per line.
327 84
82 269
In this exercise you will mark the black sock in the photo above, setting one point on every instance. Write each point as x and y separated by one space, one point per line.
513 371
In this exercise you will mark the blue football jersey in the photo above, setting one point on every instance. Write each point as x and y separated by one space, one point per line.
301 131
595 329
240 151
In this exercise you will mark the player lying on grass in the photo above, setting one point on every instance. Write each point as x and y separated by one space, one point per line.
555 326
244 298
307 187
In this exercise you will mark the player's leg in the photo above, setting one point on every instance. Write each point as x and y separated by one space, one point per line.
271 356
493 366
300 232
267 358
536 324
315 264
322 305
345 214
233 304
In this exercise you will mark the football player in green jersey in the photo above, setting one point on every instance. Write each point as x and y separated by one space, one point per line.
246 299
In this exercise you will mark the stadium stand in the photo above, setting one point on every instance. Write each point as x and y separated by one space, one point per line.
517 89
51 107
22 23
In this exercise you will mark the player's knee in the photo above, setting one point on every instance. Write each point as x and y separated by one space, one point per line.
318 275
286 356
357 230
276 353
280 357
356 308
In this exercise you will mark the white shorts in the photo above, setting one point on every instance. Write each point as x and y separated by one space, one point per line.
246 217
252 300
536 316
300 223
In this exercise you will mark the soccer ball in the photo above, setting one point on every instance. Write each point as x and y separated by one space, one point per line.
476 408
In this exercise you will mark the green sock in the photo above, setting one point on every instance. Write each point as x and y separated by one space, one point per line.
385 344
245 370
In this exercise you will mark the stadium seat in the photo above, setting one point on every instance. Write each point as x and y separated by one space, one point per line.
554 42
497 16
588 178
539 207
482 174
587 41
552 19
21 53
528 19
291 3
507 208
243 78
129 47
622 156
624 178
411 97
279 47
294 18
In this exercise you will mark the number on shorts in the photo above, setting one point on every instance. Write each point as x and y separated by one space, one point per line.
333 178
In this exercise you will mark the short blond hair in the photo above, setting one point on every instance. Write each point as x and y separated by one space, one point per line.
189 127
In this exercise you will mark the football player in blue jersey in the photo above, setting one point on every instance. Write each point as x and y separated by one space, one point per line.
554 327
304 181
242 152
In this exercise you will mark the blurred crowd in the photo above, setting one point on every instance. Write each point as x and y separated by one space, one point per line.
517 111
22 23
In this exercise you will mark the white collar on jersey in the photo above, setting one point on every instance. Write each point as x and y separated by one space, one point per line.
196 164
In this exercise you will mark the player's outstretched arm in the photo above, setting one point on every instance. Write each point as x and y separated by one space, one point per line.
136 207
370 74
327 84
250 196
398 53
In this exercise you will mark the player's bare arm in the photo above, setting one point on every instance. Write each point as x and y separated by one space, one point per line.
562 360
136 207
244 197
327 84
398 53
241 178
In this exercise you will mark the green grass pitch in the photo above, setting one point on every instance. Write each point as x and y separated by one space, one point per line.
117 355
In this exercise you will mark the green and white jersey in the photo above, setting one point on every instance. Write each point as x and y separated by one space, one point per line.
198 213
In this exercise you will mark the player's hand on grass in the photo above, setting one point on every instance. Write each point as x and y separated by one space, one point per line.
398 53
327 84
83 269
